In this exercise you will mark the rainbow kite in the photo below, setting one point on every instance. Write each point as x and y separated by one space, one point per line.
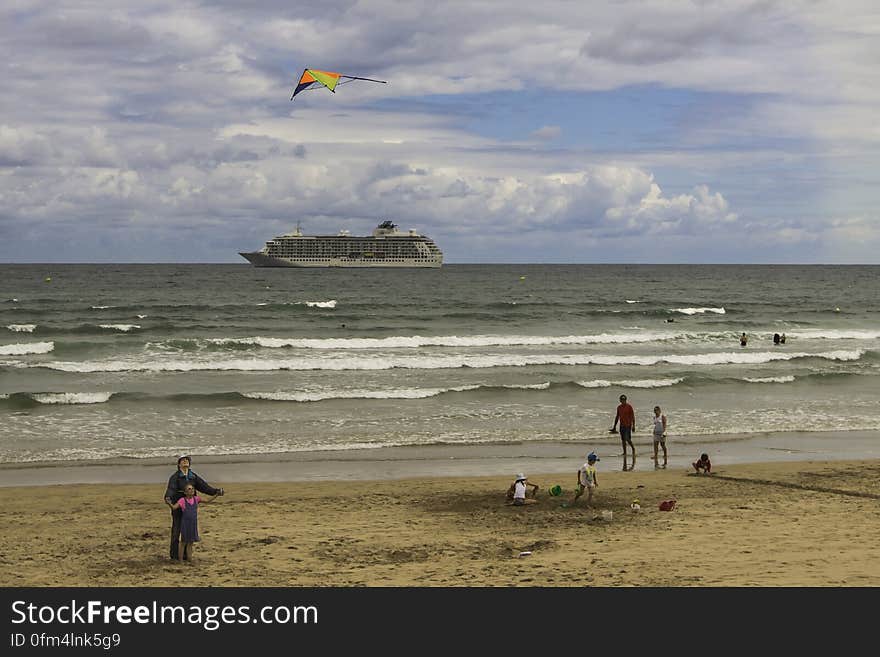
313 79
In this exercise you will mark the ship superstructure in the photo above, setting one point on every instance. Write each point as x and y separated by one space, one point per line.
386 247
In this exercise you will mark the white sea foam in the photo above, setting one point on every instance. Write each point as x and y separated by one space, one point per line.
26 348
22 328
631 301
598 383
632 383
726 358
769 379
396 342
70 397
101 307
385 362
125 328
834 334
695 311
321 304
142 316
649 383
408 393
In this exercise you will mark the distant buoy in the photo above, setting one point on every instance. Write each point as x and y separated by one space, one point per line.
48 279
837 310
522 278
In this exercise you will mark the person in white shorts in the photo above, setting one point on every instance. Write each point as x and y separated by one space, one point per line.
659 436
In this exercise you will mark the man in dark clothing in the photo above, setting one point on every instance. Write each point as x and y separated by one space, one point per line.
174 492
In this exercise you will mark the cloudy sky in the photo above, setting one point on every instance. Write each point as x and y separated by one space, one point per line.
517 131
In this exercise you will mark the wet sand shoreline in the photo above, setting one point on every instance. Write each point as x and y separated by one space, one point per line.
447 460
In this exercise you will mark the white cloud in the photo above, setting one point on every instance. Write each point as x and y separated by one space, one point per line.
547 132
22 145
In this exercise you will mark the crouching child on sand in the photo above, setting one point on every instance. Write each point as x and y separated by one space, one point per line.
587 479
519 493
189 522
703 464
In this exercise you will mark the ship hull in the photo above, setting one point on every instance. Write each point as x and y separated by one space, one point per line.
258 259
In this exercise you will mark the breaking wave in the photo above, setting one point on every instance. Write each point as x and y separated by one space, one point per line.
698 311
26 348
400 342
415 362
769 379
22 328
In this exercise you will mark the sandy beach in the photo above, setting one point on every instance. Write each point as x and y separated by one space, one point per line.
798 523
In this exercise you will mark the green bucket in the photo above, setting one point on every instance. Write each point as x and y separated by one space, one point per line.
556 490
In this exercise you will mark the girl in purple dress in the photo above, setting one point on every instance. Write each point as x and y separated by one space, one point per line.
189 525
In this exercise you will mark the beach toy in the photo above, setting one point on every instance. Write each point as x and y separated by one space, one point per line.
635 506
667 505
556 490
525 553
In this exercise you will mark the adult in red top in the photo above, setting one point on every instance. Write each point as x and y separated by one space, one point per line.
626 415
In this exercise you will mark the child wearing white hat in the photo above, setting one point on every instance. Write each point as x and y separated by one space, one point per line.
519 491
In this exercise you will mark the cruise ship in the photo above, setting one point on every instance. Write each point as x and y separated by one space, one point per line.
387 247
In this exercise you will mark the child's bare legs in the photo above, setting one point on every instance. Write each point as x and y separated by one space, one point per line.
185 552
590 498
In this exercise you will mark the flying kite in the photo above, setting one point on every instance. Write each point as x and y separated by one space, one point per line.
313 79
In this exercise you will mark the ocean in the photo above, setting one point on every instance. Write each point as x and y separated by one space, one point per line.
150 361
